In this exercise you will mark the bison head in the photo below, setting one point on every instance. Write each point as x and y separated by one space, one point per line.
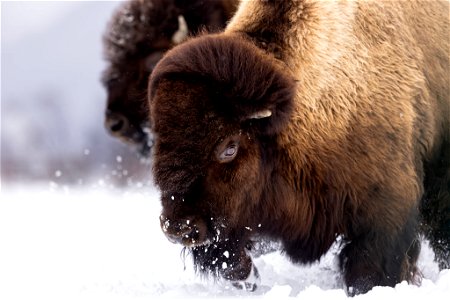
126 114
138 35
217 103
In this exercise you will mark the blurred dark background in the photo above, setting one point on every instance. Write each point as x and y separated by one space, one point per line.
52 101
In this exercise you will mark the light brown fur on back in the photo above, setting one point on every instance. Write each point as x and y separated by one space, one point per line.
337 51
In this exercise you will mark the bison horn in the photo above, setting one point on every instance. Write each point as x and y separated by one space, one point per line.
182 32
261 114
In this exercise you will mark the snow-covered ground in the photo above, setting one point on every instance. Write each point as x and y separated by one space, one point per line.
102 243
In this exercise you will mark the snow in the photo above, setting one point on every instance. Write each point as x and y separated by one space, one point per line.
79 236
59 242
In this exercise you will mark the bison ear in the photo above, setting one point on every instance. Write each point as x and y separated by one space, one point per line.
256 88
269 121
268 108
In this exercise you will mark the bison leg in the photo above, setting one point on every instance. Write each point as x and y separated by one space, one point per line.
378 258
435 207
436 225
247 282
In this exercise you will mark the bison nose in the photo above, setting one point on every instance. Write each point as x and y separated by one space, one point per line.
116 123
184 232
185 236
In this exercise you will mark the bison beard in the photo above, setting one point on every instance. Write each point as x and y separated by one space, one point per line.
251 143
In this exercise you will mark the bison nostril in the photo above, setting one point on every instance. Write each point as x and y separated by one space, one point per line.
116 123
185 232
185 235
176 239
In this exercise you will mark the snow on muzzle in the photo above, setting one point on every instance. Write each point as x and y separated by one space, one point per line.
190 232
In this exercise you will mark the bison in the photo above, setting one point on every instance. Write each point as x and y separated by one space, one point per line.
304 121
138 35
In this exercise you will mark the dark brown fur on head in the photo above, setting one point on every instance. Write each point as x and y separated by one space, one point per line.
237 79
138 35
240 77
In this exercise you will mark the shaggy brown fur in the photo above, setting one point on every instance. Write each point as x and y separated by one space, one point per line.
138 35
303 121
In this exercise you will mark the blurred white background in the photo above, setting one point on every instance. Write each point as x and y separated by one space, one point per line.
52 102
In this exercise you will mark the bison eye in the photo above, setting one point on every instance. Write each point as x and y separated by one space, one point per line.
230 152
227 150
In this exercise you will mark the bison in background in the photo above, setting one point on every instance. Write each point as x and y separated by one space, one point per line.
303 121
138 35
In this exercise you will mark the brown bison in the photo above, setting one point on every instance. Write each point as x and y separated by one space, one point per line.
138 35
307 120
